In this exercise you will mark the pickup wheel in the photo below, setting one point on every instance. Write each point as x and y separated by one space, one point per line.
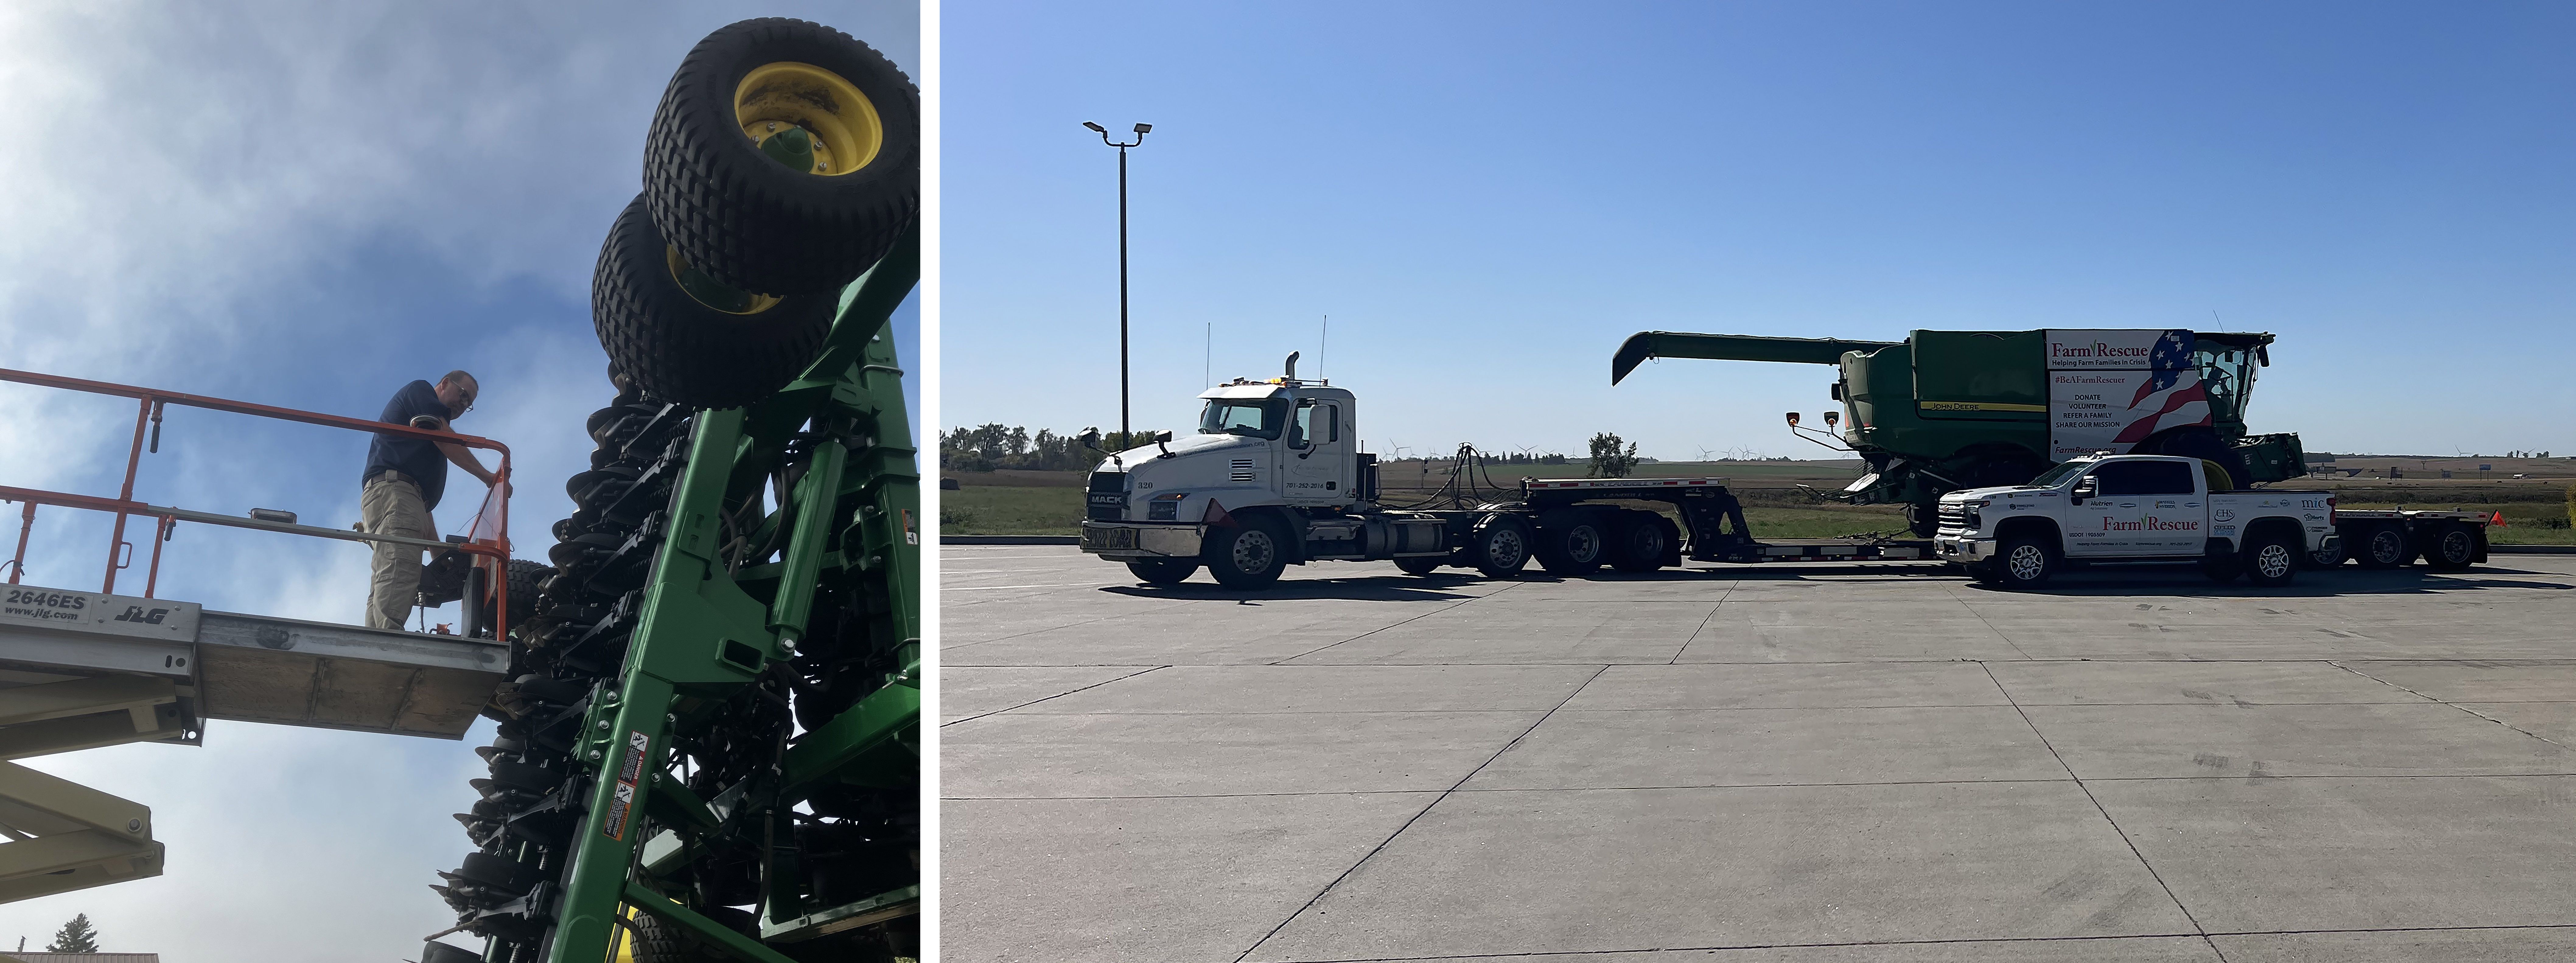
2383 546
1421 564
1249 555
2450 548
1163 571
1640 541
1499 546
2272 559
1572 544
2021 562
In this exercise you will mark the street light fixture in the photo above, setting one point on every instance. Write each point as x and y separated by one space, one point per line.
1124 431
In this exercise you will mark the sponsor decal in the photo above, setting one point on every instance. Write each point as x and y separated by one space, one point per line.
2164 504
2223 515
2222 529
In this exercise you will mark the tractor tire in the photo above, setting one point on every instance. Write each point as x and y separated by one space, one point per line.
2204 444
525 579
2021 562
654 941
681 349
1499 546
1640 541
1163 571
738 211
1421 564
1246 556
2383 546
2450 548
2272 559
1571 544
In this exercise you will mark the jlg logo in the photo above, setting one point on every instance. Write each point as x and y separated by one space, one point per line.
135 613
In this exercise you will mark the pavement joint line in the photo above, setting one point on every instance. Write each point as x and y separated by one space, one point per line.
1058 695
2462 708
1940 942
1767 785
992 588
1416 817
1999 633
2098 807
1452 608
1944 705
1703 624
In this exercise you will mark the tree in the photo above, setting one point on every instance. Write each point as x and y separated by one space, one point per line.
1608 461
75 937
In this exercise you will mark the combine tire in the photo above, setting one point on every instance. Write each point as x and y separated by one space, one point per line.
704 348
2204 444
1571 544
784 157
1246 556
1421 564
1163 571
2383 546
2450 548
1499 546
1641 541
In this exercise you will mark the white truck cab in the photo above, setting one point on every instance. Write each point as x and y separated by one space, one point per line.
1271 477
2133 508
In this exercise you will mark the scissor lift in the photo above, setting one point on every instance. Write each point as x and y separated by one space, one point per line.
83 669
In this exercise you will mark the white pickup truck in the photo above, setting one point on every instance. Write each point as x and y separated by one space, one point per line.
2133 508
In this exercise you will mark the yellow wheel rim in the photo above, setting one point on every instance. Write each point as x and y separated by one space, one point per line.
712 293
776 97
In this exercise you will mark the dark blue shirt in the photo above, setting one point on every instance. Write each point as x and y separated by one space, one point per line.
412 456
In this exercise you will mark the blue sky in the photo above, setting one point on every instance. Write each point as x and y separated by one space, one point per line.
1487 199
308 204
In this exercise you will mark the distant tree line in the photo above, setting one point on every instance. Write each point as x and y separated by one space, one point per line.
994 446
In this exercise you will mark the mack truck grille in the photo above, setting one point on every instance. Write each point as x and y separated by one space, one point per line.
1107 498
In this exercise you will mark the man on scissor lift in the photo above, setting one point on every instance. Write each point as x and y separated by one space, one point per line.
404 479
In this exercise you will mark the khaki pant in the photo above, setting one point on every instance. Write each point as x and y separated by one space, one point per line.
391 506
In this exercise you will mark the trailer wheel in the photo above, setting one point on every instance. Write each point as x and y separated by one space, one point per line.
1163 571
1250 555
685 339
2272 559
2021 562
1641 541
1572 544
1421 564
2329 557
2452 547
784 157
1499 546
2384 546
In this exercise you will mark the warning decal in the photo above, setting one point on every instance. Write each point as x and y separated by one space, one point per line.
630 772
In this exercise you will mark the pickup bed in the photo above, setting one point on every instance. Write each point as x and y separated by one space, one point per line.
2135 508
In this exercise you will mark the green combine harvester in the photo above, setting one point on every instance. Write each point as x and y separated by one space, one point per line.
1943 411
708 744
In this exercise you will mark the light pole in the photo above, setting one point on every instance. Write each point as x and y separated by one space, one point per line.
1125 438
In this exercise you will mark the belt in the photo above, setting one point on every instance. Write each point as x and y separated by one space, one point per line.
392 474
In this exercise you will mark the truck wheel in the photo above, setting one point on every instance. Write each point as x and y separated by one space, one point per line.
1572 545
2383 546
1421 564
2272 559
2450 548
685 339
784 157
1500 546
1641 540
1250 555
2021 562
2329 557
1163 571
2222 569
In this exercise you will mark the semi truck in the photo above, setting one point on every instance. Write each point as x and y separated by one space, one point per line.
1943 411
1273 477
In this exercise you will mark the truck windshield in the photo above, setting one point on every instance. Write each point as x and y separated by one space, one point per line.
1260 418
2058 474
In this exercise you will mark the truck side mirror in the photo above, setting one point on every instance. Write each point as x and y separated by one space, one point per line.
2086 487
1162 437
1090 438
